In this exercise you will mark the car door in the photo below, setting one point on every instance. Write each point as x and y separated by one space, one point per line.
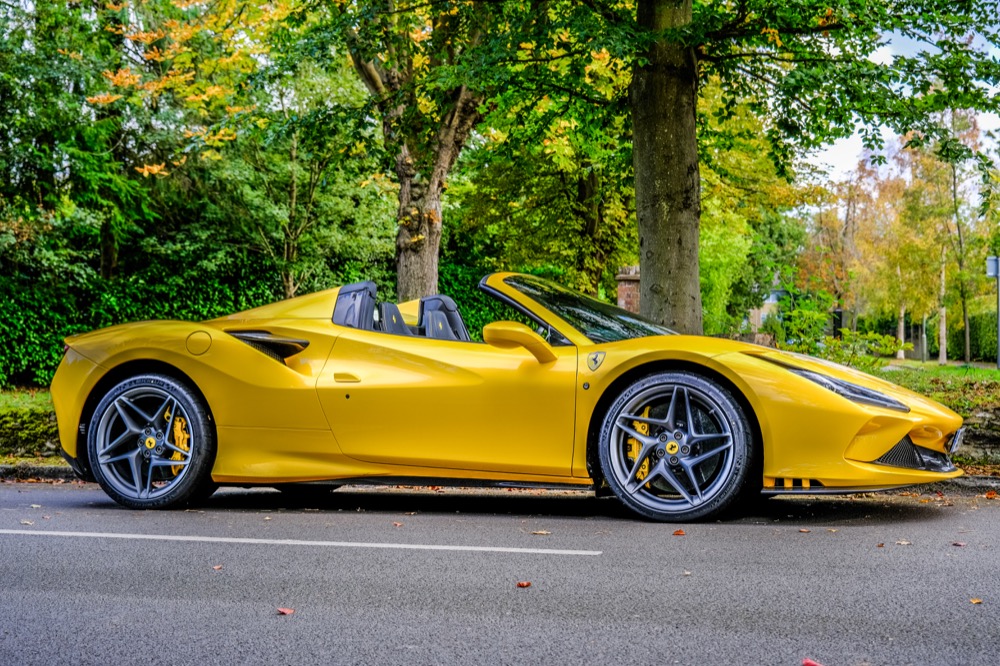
416 401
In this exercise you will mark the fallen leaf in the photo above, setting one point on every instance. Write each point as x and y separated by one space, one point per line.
959 543
904 542
687 573
991 494
805 531
809 662
36 506
395 524
267 517
679 532
925 501
541 532
831 529
881 545
27 522
976 601
218 567
524 583
410 513
46 517
285 611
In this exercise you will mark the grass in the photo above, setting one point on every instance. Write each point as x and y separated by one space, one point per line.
25 399
966 389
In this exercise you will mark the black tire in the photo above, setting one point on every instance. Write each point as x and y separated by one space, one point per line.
151 443
693 460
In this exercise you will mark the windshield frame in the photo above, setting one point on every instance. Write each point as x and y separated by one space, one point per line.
555 311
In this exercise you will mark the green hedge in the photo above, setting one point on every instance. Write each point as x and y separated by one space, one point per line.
28 431
982 339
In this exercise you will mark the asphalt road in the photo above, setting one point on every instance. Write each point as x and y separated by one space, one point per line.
425 577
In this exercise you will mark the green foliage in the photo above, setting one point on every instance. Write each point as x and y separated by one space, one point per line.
802 321
982 337
865 351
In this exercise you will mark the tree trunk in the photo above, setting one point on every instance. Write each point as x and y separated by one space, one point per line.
942 319
664 96
418 237
965 322
901 331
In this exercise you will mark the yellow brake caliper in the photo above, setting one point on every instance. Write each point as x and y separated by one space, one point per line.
181 438
635 448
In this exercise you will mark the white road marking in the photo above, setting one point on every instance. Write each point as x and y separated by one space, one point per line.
299 542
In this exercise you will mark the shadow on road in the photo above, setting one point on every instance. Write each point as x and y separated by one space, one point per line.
849 510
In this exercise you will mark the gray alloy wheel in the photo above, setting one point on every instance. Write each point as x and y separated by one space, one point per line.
151 444
676 446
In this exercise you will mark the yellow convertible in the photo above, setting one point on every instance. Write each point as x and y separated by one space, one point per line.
336 387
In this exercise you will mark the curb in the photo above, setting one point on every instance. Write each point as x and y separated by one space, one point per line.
24 471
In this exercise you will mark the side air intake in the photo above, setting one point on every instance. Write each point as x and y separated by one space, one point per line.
907 454
277 347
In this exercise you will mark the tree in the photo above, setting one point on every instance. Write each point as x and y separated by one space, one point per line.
815 70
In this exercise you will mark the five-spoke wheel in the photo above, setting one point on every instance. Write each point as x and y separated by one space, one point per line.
676 446
151 444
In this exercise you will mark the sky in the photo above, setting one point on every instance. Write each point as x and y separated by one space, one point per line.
842 156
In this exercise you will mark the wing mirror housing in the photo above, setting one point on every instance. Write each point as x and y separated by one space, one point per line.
510 334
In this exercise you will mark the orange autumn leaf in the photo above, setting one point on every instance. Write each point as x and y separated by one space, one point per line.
991 494
976 601
805 531
679 532
148 170
397 524
123 78
285 611
524 583
103 98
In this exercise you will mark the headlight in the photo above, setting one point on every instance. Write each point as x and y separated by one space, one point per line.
865 396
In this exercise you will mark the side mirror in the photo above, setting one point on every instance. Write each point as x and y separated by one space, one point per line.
510 334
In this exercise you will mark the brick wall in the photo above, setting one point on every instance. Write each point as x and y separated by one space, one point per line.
628 288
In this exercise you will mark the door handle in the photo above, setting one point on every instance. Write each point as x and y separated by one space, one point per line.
346 378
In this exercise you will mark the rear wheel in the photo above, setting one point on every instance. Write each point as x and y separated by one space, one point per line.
676 446
151 444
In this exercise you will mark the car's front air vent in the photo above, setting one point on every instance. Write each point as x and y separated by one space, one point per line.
277 347
907 454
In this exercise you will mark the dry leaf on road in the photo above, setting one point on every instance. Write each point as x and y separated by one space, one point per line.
397 524
27 522
958 543
542 532
524 583
285 611
805 531
904 542
976 601
679 532
218 567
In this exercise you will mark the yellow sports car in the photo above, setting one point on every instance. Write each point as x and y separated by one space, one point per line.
335 388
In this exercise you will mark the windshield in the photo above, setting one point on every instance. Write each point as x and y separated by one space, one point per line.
600 322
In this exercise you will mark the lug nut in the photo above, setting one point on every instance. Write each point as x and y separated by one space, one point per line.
663 438
661 452
678 435
685 450
673 460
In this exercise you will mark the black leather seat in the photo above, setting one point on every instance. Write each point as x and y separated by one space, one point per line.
355 306
432 310
392 320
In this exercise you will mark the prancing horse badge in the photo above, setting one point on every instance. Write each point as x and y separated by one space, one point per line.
594 360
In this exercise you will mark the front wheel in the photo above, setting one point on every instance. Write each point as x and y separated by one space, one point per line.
151 443
676 446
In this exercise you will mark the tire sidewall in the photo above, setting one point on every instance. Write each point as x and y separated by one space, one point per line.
197 478
742 450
